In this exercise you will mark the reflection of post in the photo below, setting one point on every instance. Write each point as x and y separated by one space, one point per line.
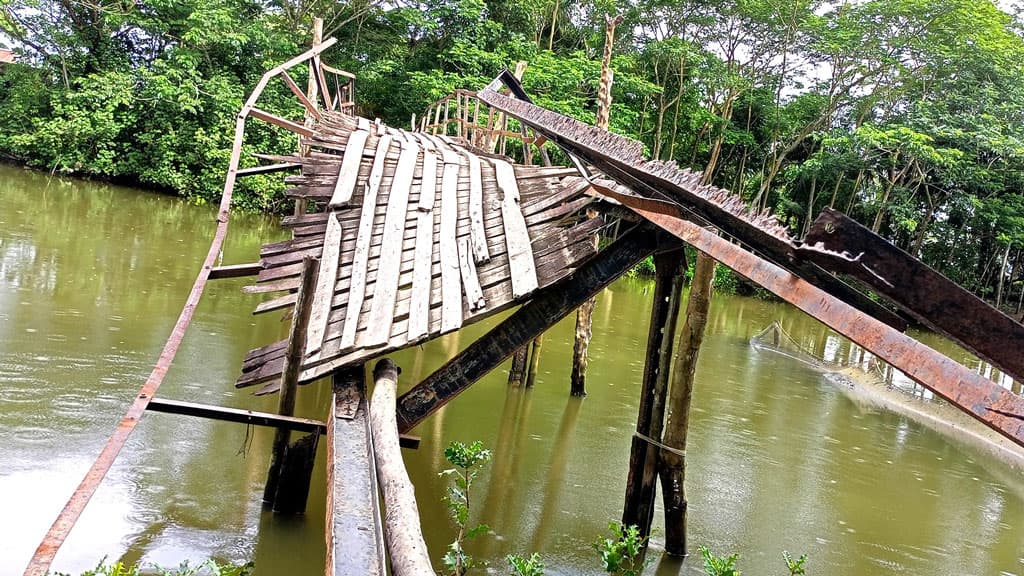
673 463
505 457
554 481
641 483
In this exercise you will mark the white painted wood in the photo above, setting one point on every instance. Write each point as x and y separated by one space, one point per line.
517 238
327 277
474 293
348 173
478 237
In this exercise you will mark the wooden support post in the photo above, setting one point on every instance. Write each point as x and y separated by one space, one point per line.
295 475
290 375
641 483
531 373
402 529
355 526
673 460
517 372
547 307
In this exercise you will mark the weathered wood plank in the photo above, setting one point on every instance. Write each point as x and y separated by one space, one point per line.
326 278
357 281
527 323
451 279
225 414
419 308
474 294
349 171
280 122
478 238
517 238
383 306
236 270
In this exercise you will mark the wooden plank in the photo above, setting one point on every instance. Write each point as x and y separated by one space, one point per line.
306 103
383 306
419 307
253 170
517 238
235 415
236 270
281 122
478 239
355 527
326 278
349 170
474 294
531 320
357 280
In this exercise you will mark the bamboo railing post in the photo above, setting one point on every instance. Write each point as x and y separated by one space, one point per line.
402 529
292 367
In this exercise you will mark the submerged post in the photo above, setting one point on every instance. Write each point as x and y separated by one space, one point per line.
673 459
290 375
641 483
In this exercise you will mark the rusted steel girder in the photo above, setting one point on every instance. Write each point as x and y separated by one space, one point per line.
840 243
621 159
979 397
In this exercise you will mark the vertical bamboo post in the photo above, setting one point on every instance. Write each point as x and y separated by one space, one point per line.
641 483
517 372
292 367
673 462
585 314
531 375
474 137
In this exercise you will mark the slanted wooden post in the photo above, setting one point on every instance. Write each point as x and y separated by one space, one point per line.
641 483
402 530
673 461
312 94
585 315
290 376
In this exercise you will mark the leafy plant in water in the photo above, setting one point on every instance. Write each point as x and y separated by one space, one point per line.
466 459
210 567
622 553
715 566
531 566
795 567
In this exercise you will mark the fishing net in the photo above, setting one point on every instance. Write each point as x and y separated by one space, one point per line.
774 338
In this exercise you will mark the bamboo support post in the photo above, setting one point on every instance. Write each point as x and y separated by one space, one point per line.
402 530
641 483
290 375
531 374
517 372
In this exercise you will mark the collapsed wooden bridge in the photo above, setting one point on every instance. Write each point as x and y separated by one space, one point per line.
401 236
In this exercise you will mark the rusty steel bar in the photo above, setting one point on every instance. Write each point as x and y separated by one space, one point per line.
621 159
837 241
41 560
979 397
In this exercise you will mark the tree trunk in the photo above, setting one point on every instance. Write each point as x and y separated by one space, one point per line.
406 547
673 464
1002 277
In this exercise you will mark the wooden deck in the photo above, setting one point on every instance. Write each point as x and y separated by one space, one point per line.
422 234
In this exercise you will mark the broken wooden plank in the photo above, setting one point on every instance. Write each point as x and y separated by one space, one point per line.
474 294
349 170
383 306
517 238
225 414
268 169
281 122
478 239
546 308
357 279
306 103
236 270
451 278
326 278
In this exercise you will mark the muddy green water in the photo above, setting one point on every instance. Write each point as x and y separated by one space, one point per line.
92 278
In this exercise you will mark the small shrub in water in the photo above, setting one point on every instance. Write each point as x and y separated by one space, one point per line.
531 566
466 459
715 566
622 553
795 567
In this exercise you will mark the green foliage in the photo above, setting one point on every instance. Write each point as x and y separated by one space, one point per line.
795 567
622 554
719 566
208 568
467 459
520 566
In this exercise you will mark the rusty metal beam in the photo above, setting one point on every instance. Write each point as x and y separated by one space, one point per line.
546 308
965 389
621 159
838 242
355 530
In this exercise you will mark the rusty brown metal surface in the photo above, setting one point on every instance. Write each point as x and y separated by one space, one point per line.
838 242
620 159
979 397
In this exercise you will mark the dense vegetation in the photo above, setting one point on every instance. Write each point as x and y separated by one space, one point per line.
906 114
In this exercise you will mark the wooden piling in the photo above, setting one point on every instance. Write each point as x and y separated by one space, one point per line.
517 372
673 460
402 530
531 374
641 483
290 376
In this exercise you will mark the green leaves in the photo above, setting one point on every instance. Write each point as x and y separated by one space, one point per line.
622 554
719 566
532 566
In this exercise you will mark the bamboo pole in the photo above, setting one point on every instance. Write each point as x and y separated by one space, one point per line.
402 530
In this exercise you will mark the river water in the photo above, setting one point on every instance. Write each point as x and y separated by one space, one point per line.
92 278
